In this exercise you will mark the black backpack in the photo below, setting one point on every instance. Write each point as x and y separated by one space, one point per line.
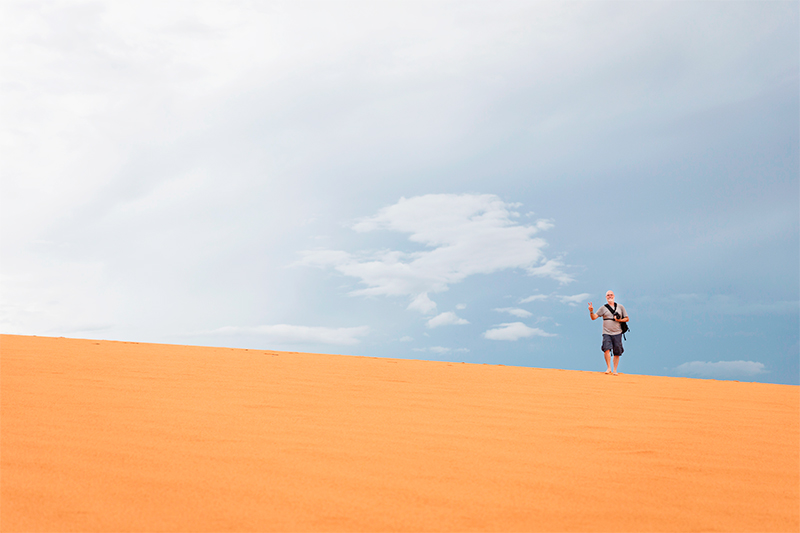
623 325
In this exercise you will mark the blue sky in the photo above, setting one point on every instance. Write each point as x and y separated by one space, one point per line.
443 180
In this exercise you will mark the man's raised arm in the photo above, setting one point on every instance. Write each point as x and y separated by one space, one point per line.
591 311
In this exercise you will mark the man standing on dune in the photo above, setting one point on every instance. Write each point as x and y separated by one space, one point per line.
613 314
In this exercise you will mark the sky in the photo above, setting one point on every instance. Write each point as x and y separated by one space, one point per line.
449 181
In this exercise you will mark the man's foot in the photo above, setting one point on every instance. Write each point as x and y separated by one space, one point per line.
615 374
607 371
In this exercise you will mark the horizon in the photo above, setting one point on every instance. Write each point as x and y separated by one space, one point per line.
269 351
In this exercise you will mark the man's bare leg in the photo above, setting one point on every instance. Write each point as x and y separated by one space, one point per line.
607 355
616 364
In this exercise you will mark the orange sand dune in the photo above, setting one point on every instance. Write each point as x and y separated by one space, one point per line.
116 436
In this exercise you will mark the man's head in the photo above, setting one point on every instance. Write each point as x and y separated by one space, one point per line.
610 297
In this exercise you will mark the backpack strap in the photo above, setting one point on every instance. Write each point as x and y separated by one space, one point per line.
612 311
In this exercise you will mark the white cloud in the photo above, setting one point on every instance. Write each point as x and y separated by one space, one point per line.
534 298
440 349
551 269
722 369
522 313
448 318
466 234
287 334
514 331
570 300
461 306
575 299
422 303
406 339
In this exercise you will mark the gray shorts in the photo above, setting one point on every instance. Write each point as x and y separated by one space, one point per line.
613 342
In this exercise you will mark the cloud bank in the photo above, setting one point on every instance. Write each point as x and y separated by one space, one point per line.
573 300
440 349
722 369
513 331
288 334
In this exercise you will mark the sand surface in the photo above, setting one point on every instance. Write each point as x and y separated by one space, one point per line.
116 436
